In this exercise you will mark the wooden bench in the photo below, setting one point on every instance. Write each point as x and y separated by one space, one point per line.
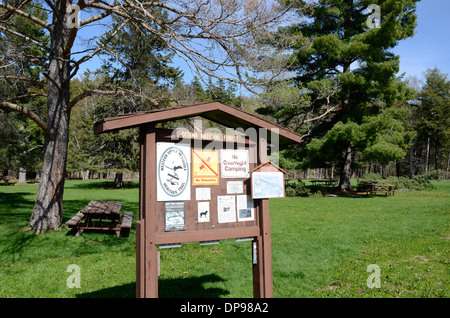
125 225
73 222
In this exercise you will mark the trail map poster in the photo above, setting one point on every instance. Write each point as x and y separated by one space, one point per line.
173 172
267 185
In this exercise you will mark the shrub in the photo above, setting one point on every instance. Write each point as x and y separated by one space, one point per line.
420 182
297 189
289 192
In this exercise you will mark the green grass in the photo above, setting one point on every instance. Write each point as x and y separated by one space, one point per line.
321 247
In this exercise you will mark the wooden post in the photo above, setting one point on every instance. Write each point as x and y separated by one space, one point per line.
140 234
147 262
262 271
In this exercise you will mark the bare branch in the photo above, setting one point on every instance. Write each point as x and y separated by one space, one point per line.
28 113
25 37
19 78
329 110
95 18
8 15
55 12
26 96
30 17
216 38
97 50
118 91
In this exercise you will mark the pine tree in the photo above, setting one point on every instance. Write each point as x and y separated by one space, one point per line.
22 140
434 108
333 41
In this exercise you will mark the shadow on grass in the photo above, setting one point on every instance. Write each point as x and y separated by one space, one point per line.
191 287
99 184
15 208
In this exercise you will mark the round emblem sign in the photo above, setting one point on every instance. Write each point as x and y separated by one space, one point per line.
173 171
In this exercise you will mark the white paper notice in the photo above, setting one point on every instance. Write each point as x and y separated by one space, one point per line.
245 208
202 194
234 187
226 209
203 212
234 163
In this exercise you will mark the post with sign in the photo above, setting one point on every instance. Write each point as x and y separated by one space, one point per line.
203 187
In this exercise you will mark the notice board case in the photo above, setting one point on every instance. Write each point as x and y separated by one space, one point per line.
168 221
194 228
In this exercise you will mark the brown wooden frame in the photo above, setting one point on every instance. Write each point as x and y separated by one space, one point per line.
149 228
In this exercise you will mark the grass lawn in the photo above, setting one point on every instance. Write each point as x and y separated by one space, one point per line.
321 246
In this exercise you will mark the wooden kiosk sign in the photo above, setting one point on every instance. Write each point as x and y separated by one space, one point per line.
196 186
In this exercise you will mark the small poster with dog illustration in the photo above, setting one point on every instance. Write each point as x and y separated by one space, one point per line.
203 212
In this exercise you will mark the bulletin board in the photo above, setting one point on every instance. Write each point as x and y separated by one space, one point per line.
203 187
192 192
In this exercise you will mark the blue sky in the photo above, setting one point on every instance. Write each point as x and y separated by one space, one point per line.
430 46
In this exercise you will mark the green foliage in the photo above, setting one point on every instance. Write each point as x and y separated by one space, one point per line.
435 104
21 143
22 140
297 188
333 45
139 57
379 138
432 120
418 183
221 92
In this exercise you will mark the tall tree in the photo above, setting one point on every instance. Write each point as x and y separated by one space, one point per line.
433 110
22 140
192 29
335 41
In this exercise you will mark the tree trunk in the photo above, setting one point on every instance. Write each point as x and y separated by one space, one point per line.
346 172
411 161
448 164
118 180
428 155
22 175
437 149
85 174
47 212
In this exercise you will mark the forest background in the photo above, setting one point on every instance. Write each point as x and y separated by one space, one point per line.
398 127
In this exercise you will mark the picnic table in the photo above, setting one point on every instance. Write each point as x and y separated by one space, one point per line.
6 180
323 183
387 189
373 187
102 215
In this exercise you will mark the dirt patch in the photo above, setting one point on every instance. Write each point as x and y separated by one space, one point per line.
420 258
